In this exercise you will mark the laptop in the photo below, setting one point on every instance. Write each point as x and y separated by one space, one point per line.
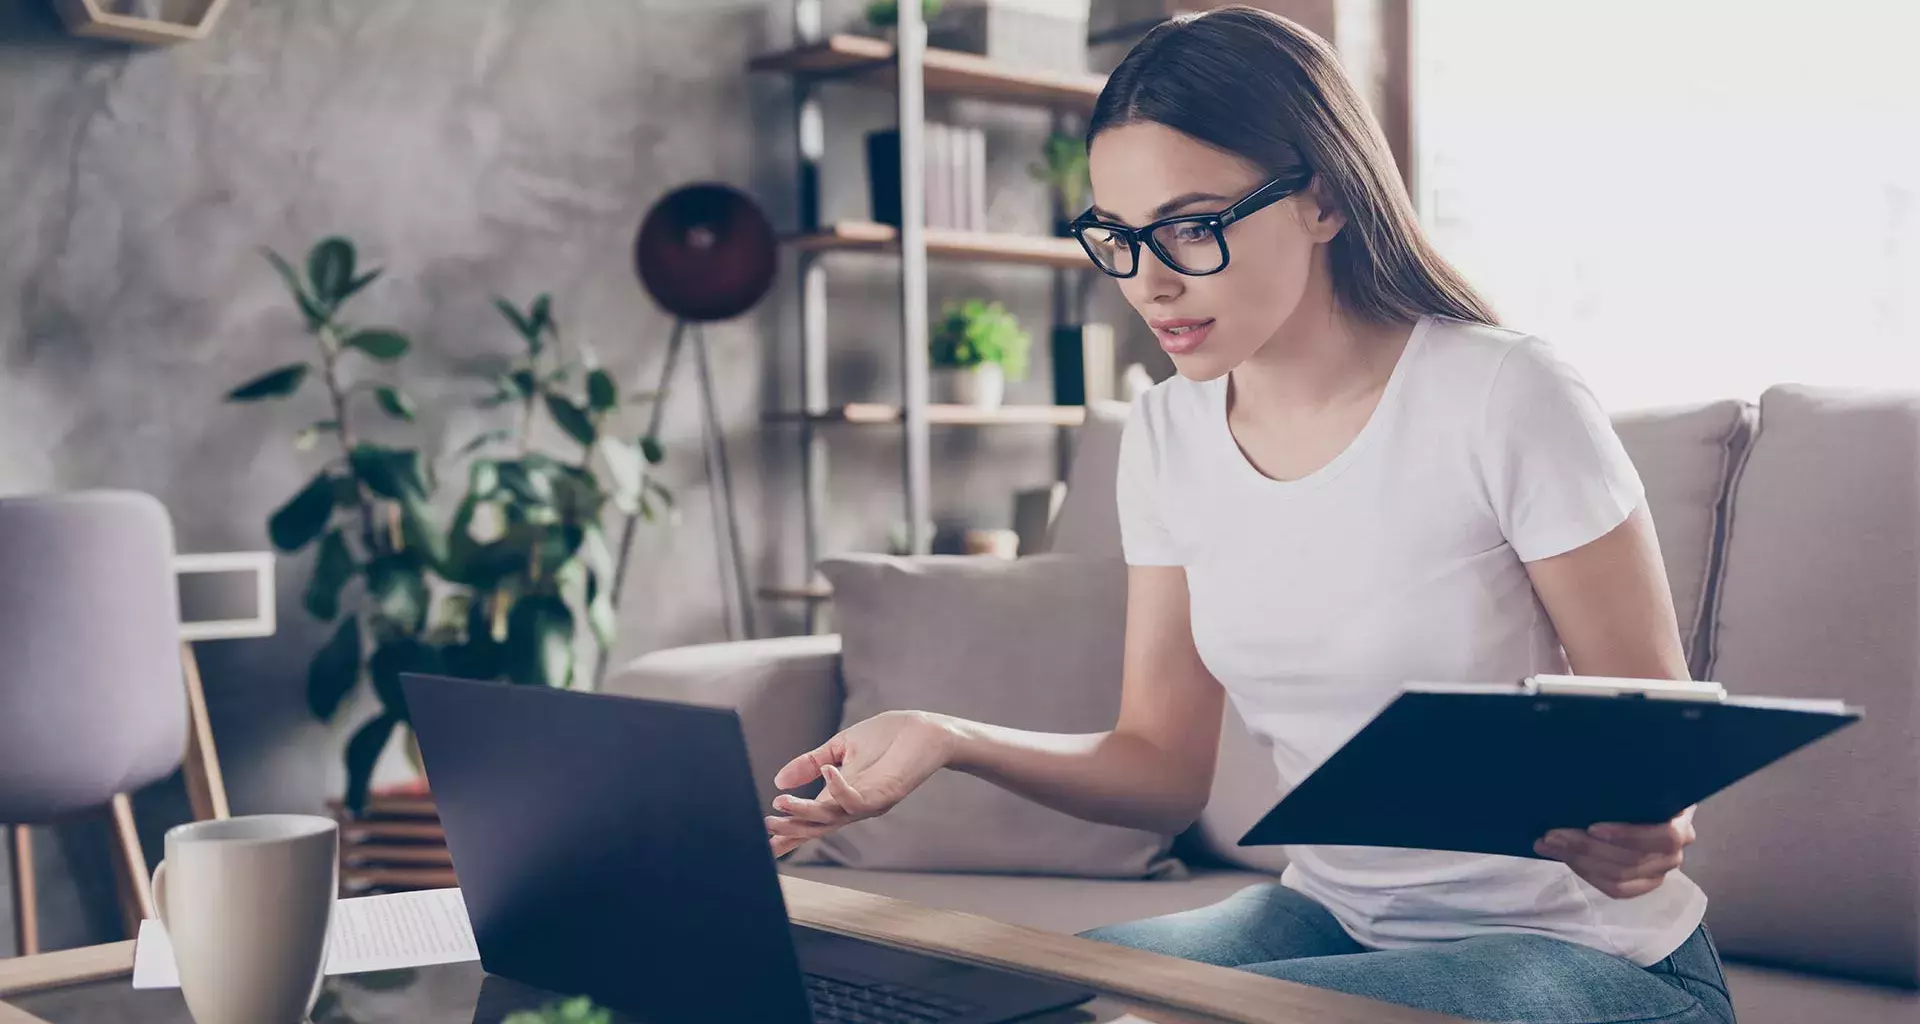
615 847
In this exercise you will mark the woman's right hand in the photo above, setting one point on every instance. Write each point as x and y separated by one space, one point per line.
869 767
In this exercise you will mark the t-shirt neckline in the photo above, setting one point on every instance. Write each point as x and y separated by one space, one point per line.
1377 422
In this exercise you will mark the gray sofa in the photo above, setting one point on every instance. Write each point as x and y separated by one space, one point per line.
1790 536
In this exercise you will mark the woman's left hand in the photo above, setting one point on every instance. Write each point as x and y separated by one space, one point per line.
1622 861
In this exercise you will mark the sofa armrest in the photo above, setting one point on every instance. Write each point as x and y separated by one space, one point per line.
786 691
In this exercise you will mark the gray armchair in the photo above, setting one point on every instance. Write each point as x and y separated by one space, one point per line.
92 704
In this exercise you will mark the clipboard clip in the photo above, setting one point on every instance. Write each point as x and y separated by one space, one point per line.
1607 686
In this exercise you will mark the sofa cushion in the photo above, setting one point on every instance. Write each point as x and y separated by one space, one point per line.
1033 643
1815 861
1089 519
1065 905
1767 996
1685 456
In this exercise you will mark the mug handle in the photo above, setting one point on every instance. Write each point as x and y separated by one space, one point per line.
160 891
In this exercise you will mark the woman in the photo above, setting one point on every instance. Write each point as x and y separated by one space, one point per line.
1355 479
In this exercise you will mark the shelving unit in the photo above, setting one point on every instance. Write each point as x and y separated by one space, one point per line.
912 71
864 236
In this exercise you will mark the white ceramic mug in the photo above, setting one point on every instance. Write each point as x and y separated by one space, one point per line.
246 902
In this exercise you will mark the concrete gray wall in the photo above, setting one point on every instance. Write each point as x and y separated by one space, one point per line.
469 146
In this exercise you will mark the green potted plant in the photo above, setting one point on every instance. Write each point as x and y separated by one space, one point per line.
884 15
1063 167
979 346
522 568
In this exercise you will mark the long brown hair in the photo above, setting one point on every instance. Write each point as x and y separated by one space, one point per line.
1255 84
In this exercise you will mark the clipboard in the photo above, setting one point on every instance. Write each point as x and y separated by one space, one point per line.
1490 768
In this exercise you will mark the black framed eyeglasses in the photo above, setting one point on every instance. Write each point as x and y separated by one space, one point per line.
1194 244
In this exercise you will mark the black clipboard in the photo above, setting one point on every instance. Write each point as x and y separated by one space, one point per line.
1483 768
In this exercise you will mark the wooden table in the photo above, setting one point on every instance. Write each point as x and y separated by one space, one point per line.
1160 989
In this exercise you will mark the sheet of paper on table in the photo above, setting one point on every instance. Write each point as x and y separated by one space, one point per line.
368 933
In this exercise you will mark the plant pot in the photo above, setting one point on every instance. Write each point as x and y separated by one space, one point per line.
979 387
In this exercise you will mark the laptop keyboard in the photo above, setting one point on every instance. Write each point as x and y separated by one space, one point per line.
841 1002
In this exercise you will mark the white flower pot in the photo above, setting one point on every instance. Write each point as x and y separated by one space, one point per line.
980 387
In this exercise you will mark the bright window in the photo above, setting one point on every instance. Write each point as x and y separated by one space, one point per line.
1692 199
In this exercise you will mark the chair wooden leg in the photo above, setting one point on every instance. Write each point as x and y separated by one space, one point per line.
130 868
26 901
206 787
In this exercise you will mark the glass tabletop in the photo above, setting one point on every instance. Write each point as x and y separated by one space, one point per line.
450 994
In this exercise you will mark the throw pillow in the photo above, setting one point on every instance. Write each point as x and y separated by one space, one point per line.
1033 643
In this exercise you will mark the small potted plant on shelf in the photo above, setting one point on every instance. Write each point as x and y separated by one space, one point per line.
979 346
1063 167
884 15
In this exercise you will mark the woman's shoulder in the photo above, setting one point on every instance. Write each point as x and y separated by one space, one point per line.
1474 359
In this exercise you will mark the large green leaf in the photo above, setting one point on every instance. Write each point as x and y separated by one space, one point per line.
332 568
528 330
363 750
557 545
602 394
330 269
346 493
334 670
576 493
478 658
389 472
380 343
395 403
540 641
301 519
571 419
357 283
524 383
423 537
308 307
398 588
542 313
650 448
277 384
398 655
531 486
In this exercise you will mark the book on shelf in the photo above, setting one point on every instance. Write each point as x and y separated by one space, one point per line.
954 176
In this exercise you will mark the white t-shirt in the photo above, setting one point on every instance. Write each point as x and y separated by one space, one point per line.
1313 600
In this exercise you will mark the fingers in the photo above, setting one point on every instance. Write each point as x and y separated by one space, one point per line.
783 845
1669 838
1567 845
793 828
841 792
806 768
823 811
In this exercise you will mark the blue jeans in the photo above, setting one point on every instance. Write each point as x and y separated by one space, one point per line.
1527 979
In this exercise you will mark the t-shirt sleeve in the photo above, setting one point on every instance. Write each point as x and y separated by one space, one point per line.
1144 536
1555 471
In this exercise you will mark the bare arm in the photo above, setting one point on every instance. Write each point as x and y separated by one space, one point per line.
1152 770
1610 604
1155 768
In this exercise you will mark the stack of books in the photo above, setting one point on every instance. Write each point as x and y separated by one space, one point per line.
395 844
955 167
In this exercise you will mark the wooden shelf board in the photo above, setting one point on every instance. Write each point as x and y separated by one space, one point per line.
944 71
944 243
878 414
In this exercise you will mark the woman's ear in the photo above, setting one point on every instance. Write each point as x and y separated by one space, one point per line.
1320 214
